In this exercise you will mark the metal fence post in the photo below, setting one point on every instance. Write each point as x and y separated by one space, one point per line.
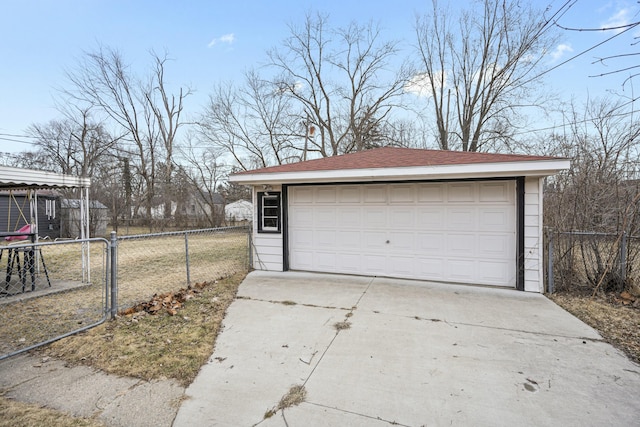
186 251
250 254
550 282
114 275
623 257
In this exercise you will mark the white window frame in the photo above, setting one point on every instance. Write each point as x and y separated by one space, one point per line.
269 195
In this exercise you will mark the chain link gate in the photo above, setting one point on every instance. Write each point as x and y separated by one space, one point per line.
51 290
56 289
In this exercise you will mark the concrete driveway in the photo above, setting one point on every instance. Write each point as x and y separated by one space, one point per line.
415 354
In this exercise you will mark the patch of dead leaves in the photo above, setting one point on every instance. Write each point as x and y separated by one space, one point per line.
169 302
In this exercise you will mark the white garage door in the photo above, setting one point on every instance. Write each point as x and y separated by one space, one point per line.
452 231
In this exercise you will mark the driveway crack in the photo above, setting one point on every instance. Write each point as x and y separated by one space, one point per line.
392 422
347 316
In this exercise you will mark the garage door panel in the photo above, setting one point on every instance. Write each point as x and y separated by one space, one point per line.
461 192
461 270
326 194
349 194
375 194
374 264
402 241
430 243
376 217
324 260
401 218
430 268
402 194
348 239
430 193
496 219
302 216
492 192
375 241
349 263
325 239
349 217
461 245
300 195
496 246
325 217
402 266
302 238
430 219
492 272
302 259
446 231
463 218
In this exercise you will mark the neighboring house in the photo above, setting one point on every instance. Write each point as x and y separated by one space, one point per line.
15 212
239 211
445 216
70 218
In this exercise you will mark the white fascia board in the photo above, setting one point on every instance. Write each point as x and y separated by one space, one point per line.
414 173
18 177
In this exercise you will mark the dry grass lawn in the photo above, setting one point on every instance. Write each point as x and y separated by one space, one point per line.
145 267
154 346
139 345
618 324
20 414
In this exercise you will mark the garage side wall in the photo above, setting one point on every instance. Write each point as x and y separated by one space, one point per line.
267 247
533 262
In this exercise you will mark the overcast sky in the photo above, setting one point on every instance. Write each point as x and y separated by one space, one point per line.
213 41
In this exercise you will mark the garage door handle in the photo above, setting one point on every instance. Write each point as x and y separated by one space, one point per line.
387 241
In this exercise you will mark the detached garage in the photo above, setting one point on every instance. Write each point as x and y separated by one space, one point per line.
445 216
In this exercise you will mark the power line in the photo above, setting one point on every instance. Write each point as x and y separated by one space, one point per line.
16 140
619 27
577 122
577 55
15 136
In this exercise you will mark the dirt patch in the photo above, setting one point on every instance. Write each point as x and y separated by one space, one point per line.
616 318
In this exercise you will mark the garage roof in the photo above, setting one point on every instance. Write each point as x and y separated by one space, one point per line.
393 163
18 178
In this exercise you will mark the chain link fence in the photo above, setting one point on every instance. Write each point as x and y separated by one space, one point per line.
52 290
584 261
156 263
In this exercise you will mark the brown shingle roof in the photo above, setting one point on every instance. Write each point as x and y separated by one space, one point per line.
395 157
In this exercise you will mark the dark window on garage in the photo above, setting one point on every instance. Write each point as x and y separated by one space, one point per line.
269 212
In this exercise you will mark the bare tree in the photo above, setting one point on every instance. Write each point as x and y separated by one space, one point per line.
253 123
340 81
204 173
604 147
479 71
144 110
598 196
167 110
73 145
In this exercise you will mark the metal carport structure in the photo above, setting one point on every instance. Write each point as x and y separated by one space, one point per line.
30 180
